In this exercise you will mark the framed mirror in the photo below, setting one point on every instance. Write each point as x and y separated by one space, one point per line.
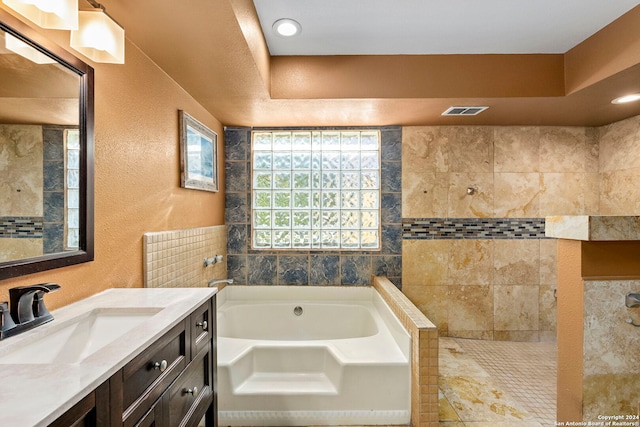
46 153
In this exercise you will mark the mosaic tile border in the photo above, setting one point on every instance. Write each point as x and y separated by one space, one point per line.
16 227
472 228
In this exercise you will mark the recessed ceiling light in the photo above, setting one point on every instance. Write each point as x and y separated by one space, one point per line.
627 98
287 27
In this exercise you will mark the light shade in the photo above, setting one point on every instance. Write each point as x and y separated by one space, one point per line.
16 45
55 14
98 37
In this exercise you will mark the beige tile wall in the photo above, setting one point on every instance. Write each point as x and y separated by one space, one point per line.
175 259
610 378
21 191
492 289
518 171
620 167
21 169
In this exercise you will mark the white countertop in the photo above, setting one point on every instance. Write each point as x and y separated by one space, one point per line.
37 394
593 227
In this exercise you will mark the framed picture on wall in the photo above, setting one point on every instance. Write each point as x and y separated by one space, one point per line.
198 155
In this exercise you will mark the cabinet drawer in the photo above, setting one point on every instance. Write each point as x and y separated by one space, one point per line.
81 414
202 327
92 410
153 418
147 376
188 398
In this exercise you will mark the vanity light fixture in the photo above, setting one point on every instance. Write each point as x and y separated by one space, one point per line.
627 98
16 45
98 36
287 27
54 14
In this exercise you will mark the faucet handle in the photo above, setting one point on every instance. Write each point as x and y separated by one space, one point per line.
44 287
25 306
6 321
39 308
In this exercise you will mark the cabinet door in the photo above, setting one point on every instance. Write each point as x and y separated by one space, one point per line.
190 396
142 381
202 327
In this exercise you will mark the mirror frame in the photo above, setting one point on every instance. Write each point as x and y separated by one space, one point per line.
85 253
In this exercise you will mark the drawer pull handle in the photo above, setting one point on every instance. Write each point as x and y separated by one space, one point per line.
192 391
161 366
204 325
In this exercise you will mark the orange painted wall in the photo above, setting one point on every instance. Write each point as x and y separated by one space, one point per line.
570 330
137 170
611 50
422 76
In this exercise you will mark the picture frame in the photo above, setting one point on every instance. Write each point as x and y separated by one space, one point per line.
198 154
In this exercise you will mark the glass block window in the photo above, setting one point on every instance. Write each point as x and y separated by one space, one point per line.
72 188
316 189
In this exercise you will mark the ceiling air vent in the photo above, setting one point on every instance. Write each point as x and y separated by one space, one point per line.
463 111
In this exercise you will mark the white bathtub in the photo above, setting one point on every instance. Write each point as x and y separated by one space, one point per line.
345 359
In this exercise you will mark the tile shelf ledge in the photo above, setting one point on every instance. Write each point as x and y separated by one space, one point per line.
594 228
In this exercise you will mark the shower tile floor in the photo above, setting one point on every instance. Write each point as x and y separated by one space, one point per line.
497 383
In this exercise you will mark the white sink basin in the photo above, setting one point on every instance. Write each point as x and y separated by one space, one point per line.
74 340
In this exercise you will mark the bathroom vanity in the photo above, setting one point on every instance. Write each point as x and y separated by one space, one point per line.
124 357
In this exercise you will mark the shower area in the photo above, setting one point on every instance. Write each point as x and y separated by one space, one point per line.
491 294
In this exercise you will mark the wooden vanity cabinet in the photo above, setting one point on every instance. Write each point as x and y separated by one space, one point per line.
170 384
85 413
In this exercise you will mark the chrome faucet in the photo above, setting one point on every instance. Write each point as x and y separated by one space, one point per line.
26 309
218 281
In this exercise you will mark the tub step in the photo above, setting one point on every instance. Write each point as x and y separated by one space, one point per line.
286 383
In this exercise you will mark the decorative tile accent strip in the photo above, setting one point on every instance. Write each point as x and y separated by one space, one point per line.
16 227
472 228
